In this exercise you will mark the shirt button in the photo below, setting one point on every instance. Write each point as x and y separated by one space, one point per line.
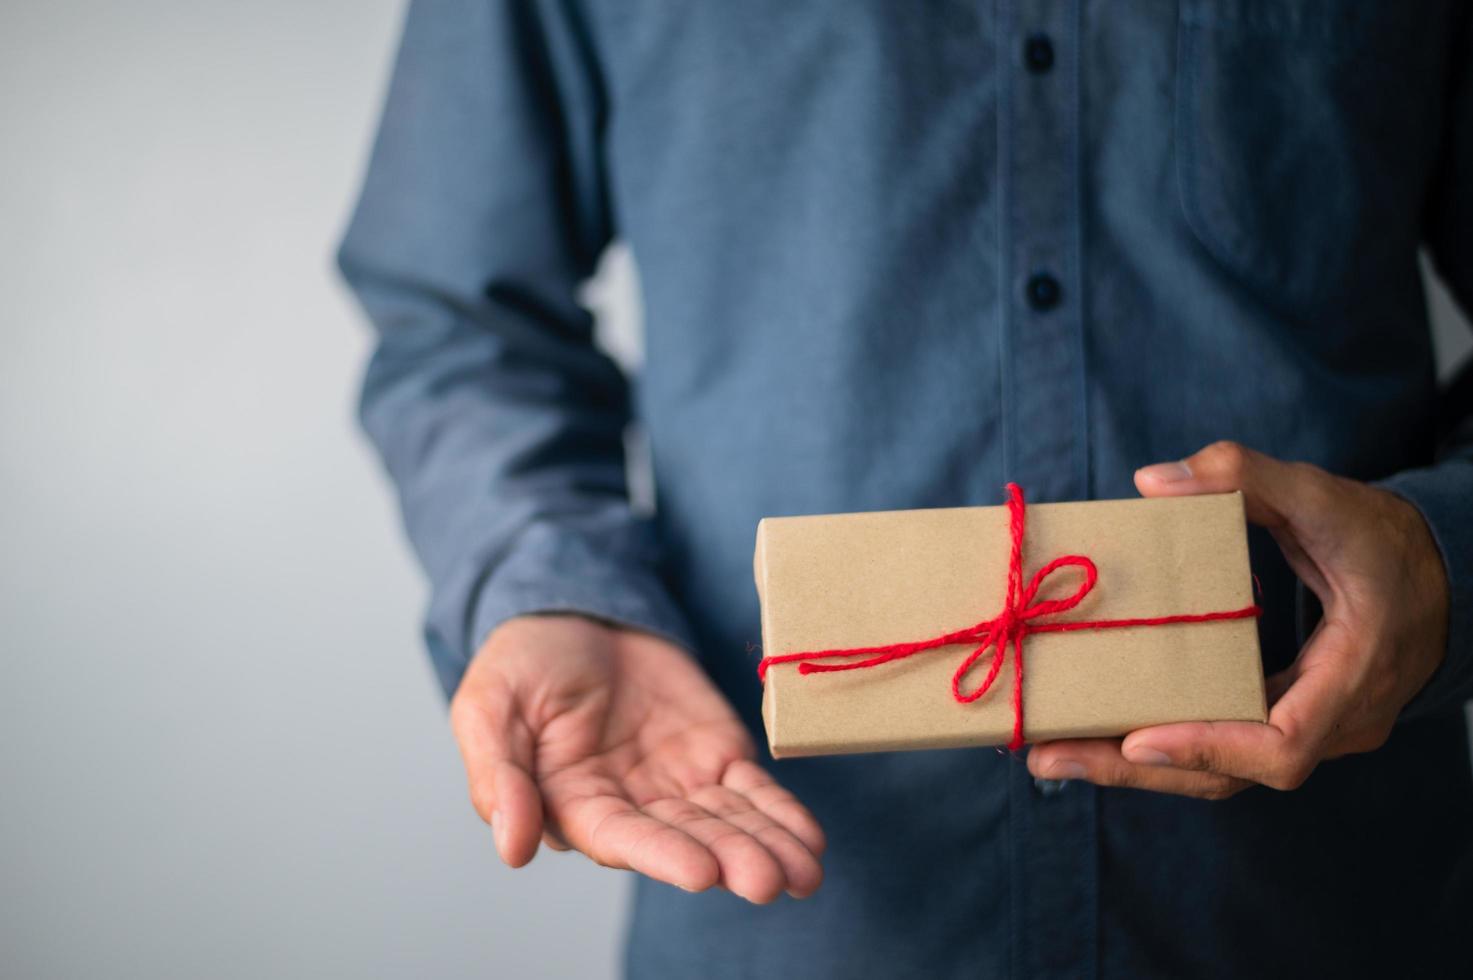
1038 54
1043 291
1049 787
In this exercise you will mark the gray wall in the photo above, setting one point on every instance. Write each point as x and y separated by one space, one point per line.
221 751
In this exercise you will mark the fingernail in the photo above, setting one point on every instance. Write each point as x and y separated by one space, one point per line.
1147 756
1065 769
1166 472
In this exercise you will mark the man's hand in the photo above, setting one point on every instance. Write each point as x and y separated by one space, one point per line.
1370 558
616 743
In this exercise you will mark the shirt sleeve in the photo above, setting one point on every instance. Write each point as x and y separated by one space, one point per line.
1443 492
501 425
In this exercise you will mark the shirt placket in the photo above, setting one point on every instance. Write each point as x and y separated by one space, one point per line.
1053 826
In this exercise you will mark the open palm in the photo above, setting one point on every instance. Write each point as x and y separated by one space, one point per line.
616 743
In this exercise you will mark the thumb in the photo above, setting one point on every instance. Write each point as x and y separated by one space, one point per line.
1291 500
497 747
1271 489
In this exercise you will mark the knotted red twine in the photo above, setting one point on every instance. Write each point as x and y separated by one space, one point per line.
1019 617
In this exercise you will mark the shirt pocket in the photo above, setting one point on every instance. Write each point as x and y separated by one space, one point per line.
1305 134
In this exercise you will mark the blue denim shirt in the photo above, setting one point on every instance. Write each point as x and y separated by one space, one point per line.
894 255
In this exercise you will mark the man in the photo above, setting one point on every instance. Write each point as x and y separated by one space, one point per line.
894 255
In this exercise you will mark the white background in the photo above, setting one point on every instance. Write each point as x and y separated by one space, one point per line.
222 752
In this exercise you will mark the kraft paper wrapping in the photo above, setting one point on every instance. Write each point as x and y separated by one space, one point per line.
852 580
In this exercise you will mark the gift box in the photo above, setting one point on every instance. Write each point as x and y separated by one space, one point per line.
991 625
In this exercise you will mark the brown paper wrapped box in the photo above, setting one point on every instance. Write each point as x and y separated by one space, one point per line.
864 580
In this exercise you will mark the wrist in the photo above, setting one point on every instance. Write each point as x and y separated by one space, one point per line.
1426 593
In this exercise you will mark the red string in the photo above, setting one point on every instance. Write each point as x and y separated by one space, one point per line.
1008 628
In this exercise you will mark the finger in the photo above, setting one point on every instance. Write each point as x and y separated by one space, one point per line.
1293 500
611 831
1246 750
1265 482
497 748
1099 761
1275 686
753 782
748 868
800 865
554 842
1280 754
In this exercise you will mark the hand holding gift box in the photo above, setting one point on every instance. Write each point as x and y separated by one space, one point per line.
871 623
